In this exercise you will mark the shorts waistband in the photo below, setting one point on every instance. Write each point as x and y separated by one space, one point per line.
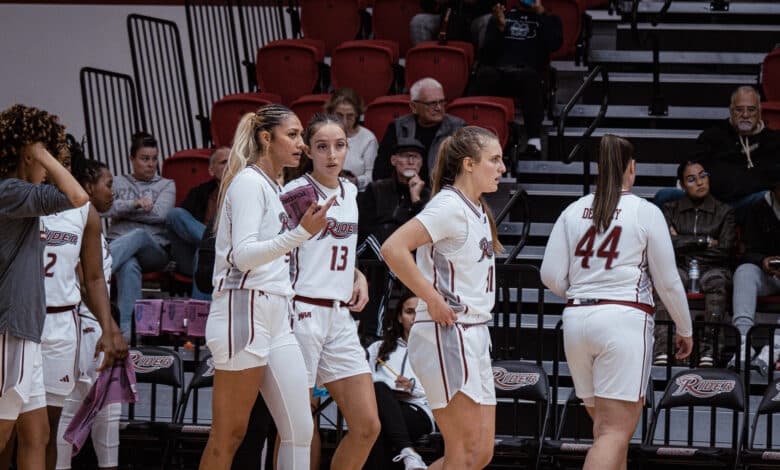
318 302
648 309
66 308
465 326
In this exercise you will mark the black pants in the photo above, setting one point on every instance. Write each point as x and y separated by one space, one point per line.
402 424
521 82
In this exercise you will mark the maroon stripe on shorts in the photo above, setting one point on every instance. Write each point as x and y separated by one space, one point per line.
2 366
463 357
252 316
230 323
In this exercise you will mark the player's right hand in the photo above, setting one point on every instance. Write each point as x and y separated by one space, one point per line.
684 346
441 312
315 217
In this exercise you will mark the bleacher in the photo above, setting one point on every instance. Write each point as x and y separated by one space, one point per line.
654 72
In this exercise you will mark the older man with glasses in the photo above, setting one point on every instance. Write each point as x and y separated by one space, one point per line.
428 124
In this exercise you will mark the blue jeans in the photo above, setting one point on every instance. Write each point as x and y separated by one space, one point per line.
740 206
133 253
750 281
185 233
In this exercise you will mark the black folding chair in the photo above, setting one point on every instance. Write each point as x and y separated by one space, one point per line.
767 454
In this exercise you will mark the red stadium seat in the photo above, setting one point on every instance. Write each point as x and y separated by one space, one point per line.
381 112
333 21
366 66
448 63
305 106
390 20
570 13
227 112
491 112
187 169
290 67
770 113
770 76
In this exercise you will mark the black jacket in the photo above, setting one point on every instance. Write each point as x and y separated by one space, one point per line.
385 205
197 200
527 40
694 223
762 233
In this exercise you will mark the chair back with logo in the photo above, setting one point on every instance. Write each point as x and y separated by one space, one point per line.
157 367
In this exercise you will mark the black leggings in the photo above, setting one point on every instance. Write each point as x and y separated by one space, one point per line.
402 424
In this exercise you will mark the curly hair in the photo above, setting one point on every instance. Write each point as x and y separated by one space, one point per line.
22 125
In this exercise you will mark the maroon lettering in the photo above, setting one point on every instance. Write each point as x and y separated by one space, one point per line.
506 380
695 385
339 230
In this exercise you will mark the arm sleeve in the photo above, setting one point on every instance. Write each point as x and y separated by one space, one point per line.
663 269
555 264
727 237
247 206
754 252
369 156
382 167
494 42
162 206
23 200
192 201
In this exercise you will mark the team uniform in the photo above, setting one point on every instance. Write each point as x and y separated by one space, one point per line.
322 271
608 279
460 264
105 430
61 339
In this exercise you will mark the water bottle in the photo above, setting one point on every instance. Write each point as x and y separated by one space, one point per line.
693 275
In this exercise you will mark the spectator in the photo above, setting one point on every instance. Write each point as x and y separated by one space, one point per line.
403 410
348 106
428 123
187 223
735 151
702 228
138 239
468 26
760 272
388 203
517 50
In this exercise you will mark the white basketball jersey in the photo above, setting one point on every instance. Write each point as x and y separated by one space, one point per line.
272 277
64 232
464 273
323 267
107 265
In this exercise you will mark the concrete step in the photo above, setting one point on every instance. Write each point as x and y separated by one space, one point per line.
700 12
700 37
679 61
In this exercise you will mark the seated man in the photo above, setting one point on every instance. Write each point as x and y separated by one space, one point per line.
760 272
428 124
137 237
735 151
517 49
388 203
187 223
703 229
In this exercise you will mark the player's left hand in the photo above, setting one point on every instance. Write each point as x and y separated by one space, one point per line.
684 346
359 293
113 346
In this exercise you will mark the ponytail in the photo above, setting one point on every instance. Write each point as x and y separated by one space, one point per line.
615 154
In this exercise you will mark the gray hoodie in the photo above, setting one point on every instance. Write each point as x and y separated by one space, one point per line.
126 217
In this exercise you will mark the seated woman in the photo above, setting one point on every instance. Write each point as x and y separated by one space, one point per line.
138 238
348 106
403 408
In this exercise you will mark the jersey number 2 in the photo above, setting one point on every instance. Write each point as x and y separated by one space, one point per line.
48 271
338 259
607 249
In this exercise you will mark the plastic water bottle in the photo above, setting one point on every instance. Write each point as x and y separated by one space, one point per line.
693 275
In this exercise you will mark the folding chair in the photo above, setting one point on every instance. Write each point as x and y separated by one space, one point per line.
448 63
290 67
187 168
383 110
770 76
390 20
768 454
770 113
333 21
227 112
712 389
366 66
307 105
491 112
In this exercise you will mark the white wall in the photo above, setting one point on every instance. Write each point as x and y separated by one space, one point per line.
42 48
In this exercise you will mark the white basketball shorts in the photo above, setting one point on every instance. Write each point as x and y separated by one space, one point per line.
21 381
59 347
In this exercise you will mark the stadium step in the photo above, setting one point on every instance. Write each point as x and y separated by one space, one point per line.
700 37
700 11
679 61
677 117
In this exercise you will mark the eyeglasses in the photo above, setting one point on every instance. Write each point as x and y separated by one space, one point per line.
691 179
409 156
749 110
432 104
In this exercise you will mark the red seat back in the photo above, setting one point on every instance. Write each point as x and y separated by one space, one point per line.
187 168
570 13
770 113
770 76
381 112
305 106
390 20
449 64
290 67
228 111
491 112
333 21
365 66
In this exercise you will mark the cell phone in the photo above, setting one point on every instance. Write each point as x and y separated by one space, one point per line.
774 264
528 2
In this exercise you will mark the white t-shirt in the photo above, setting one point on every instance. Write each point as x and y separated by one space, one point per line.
64 235
624 263
323 267
460 262
361 154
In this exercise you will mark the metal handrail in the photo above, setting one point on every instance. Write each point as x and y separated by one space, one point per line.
522 197
589 78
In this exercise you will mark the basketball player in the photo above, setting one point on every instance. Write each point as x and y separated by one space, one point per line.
97 180
28 140
449 344
602 253
248 329
323 273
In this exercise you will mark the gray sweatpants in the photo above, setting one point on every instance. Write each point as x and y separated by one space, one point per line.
750 281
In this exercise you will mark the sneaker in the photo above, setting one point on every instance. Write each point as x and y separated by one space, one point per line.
761 361
661 359
706 361
743 353
412 460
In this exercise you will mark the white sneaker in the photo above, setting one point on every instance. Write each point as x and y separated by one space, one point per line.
762 361
412 460
744 354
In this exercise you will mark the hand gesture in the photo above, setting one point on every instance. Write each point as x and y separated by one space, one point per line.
415 187
402 383
316 217
499 12
359 293
684 346
441 312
